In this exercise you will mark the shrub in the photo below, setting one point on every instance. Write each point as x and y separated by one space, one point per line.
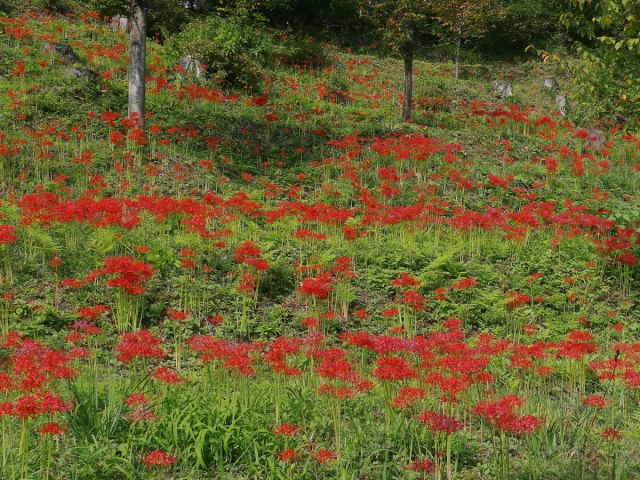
232 50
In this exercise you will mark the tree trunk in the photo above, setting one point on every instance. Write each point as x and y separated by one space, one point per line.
408 83
458 45
138 61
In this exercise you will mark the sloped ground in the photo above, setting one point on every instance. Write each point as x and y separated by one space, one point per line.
289 283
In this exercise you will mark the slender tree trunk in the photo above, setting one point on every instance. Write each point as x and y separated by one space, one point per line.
408 83
458 45
138 60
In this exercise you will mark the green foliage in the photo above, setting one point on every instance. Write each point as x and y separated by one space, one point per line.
21 7
232 50
609 45
399 23
523 22
298 51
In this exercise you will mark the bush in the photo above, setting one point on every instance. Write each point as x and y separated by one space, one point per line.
21 7
525 22
299 51
233 51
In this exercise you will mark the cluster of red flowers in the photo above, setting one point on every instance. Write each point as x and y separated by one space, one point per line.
140 344
158 458
126 273
503 414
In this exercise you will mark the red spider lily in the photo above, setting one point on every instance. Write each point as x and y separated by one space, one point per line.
128 274
516 299
247 283
53 429
136 399
408 396
158 458
215 319
286 430
413 299
439 423
464 284
324 456
249 254
281 349
393 369
34 365
422 465
260 101
595 401
141 344
7 234
502 414
177 315
289 455
42 403
611 435
72 283
167 376
235 357
498 181
318 287
92 312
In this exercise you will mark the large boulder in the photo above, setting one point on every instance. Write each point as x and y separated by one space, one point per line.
64 50
503 90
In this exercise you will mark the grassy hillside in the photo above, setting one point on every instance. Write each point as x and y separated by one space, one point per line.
287 282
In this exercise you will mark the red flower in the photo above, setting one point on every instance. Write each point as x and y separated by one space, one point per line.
408 396
319 286
595 401
440 423
405 280
502 414
464 284
611 435
286 430
393 369
158 458
289 455
422 465
7 234
166 375
52 428
142 344
323 456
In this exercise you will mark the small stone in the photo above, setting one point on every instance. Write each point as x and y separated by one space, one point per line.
550 83
595 138
120 23
191 65
503 89
561 102
65 51
80 73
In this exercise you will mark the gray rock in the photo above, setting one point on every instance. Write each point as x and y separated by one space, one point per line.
192 66
595 138
561 102
120 23
80 73
65 51
503 90
550 83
